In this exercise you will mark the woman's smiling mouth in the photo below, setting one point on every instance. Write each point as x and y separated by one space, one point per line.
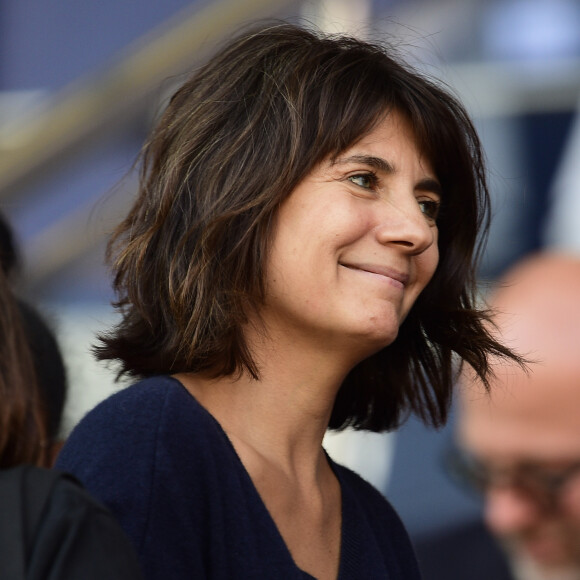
396 278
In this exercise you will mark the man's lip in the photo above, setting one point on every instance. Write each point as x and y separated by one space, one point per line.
380 270
543 550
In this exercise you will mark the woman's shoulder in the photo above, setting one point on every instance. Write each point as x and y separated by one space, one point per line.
118 450
119 431
138 404
148 393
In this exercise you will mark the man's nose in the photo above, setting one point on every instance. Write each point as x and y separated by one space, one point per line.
508 510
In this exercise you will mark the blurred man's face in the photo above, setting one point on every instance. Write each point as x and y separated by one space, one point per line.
525 442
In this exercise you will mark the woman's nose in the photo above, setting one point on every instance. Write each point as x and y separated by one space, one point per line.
404 224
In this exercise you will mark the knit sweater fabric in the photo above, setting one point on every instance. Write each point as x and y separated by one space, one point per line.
168 472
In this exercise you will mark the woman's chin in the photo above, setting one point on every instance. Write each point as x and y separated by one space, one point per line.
373 341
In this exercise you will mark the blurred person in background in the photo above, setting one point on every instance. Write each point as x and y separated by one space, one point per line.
520 445
50 526
9 256
47 359
50 374
23 425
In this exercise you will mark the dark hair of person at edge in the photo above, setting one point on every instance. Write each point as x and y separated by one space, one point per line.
9 257
23 422
42 345
245 129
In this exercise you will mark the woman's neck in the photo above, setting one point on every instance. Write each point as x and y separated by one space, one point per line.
285 413
282 420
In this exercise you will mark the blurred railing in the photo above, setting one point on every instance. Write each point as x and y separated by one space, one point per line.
101 105
126 91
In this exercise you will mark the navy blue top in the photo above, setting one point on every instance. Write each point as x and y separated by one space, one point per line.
169 473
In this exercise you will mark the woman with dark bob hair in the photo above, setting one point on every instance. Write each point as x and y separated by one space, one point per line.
301 256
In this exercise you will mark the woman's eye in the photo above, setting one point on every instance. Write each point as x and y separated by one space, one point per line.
430 208
364 180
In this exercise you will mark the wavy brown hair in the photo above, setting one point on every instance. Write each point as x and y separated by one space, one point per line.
235 140
23 437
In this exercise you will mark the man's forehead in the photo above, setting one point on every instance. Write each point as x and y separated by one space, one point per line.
523 414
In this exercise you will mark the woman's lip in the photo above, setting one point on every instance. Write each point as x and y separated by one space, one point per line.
380 270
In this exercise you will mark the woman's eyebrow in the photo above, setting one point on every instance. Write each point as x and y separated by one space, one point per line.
377 163
431 185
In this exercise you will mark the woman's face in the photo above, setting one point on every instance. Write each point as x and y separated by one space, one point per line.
354 244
